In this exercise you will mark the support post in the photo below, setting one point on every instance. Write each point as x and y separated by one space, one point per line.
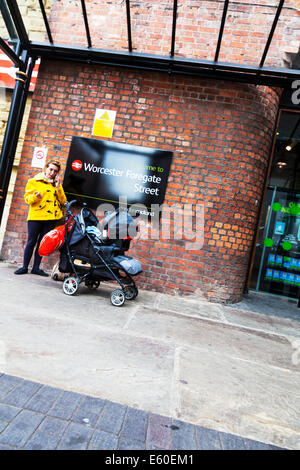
13 127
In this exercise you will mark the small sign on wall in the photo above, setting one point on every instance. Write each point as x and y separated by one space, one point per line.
104 123
39 157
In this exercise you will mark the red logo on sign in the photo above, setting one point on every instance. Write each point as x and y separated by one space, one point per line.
40 154
77 165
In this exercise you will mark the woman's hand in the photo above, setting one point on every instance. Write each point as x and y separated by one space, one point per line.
57 182
38 194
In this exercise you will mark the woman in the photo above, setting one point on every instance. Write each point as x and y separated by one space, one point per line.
45 196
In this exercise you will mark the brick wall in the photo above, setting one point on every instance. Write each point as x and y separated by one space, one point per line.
220 133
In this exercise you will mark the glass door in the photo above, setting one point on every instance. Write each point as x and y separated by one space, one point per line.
278 255
276 265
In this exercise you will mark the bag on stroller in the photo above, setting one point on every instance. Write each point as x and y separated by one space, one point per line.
52 241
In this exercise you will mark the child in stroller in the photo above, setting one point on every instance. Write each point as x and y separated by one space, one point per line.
90 256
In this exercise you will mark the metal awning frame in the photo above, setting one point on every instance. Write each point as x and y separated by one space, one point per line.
214 69
271 76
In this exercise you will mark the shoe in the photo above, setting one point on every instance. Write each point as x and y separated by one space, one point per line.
21 271
39 272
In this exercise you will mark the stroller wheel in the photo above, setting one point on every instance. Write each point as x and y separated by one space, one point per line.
130 292
70 285
117 297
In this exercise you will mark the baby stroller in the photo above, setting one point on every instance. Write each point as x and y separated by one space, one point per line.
90 256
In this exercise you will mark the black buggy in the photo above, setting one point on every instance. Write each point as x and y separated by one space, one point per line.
94 252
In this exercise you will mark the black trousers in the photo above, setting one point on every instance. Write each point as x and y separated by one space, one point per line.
36 230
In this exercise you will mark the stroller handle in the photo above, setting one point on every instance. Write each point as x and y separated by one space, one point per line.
71 203
74 201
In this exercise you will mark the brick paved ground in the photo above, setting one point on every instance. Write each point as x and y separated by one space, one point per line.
39 417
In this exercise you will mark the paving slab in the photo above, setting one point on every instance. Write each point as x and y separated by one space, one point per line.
281 325
200 333
260 400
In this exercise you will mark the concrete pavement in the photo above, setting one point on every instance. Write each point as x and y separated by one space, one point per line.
224 371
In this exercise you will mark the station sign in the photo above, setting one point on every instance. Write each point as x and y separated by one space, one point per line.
100 172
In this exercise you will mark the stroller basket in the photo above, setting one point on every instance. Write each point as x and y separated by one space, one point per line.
90 256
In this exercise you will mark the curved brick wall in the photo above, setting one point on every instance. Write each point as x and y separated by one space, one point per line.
220 133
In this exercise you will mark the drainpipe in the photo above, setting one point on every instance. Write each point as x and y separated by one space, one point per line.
13 126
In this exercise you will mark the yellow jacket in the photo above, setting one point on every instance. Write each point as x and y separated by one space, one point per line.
49 207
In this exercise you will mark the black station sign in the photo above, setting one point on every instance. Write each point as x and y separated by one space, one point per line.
101 172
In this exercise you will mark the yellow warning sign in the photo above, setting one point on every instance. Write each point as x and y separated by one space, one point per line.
103 128
104 123
105 116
